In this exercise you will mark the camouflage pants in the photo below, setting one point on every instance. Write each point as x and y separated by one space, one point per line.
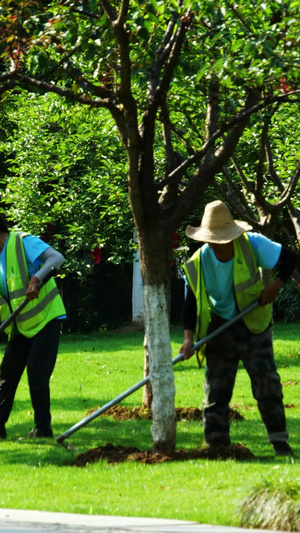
223 354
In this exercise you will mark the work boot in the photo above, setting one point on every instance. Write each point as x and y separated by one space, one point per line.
282 448
2 433
39 433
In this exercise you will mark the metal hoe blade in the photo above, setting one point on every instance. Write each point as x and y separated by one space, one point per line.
143 382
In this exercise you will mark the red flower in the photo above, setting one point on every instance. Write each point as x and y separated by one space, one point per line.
175 241
96 255
284 87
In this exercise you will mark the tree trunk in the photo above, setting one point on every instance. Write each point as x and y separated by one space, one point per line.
137 292
295 218
147 390
161 369
137 289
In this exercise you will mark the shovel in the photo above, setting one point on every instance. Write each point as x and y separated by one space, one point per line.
143 382
5 323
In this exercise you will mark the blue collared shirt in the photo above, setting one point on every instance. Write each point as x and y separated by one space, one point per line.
218 276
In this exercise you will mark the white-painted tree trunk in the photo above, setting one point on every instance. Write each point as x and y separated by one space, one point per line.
137 288
161 368
137 292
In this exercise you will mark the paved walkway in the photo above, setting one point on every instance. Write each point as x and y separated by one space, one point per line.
17 521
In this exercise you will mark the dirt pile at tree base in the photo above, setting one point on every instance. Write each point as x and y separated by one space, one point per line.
117 454
122 413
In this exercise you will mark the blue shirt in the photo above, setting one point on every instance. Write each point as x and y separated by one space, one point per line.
218 276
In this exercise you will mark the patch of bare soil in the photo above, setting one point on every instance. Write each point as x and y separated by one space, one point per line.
122 413
117 454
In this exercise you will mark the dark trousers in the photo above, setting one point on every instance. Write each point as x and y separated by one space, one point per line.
223 354
39 355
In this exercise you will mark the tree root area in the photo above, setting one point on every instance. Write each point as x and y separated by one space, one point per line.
123 413
117 454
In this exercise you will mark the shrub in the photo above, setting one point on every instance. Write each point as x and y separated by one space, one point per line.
287 305
270 506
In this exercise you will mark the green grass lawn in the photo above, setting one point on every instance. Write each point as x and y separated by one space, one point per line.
93 369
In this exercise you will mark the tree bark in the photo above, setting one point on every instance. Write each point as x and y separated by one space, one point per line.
161 368
147 390
137 292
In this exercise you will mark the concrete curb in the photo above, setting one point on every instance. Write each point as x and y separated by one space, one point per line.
13 521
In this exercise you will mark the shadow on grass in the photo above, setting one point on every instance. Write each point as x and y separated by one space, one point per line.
137 433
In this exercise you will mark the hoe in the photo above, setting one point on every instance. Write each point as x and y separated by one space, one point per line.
143 382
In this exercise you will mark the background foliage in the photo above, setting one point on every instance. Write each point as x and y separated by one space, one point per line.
64 168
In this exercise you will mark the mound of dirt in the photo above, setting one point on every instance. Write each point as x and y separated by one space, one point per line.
121 413
116 454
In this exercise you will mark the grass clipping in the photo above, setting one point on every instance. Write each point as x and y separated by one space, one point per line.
270 506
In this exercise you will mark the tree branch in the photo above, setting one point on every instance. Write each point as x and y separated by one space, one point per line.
275 177
212 111
118 27
63 60
261 159
237 191
109 10
236 207
165 119
98 90
82 11
174 56
289 190
162 55
219 133
66 93
249 186
239 16
123 13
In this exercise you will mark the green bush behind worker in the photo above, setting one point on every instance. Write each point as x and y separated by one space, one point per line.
224 276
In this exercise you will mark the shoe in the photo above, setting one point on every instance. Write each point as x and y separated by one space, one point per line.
282 448
2 433
39 433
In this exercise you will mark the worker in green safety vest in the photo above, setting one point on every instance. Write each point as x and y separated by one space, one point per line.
224 277
33 335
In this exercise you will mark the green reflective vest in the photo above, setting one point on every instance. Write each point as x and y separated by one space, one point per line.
37 313
248 286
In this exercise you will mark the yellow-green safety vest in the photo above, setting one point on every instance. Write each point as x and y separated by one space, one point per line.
248 287
37 313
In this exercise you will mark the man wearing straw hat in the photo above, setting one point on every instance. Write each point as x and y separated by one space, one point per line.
223 278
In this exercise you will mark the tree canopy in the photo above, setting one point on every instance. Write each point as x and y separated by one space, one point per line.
67 178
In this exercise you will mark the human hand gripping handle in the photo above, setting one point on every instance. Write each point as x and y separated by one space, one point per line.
188 348
35 284
269 294
188 344
35 288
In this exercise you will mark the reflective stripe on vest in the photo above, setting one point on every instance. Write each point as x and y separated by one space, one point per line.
247 286
38 312
247 256
194 274
20 260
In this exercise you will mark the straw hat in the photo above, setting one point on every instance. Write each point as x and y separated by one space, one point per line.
217 225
